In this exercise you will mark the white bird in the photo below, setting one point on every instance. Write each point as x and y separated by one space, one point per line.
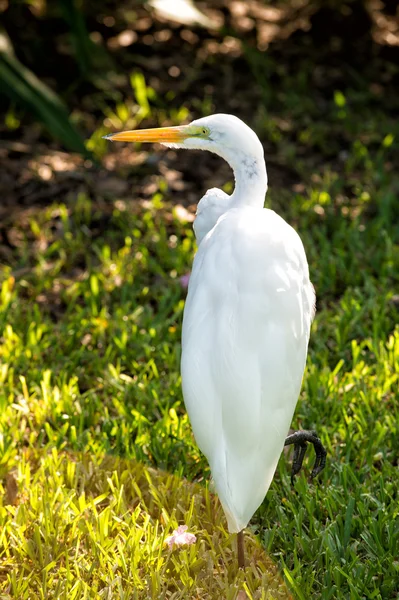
246 322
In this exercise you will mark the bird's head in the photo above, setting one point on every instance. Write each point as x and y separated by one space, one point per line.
220 133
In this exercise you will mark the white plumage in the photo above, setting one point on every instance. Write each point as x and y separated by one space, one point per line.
245 334
246 321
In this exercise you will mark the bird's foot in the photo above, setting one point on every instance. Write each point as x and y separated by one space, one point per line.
300 440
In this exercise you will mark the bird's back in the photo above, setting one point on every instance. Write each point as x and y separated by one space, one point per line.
245 335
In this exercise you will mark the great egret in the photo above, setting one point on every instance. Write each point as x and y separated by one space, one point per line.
246 322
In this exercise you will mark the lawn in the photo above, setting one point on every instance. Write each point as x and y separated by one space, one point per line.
97 460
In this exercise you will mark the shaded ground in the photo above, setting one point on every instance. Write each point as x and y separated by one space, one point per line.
276 67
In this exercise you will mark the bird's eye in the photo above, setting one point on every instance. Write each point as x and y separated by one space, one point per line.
204 131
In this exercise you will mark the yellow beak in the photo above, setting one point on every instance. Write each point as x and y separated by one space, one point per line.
161 135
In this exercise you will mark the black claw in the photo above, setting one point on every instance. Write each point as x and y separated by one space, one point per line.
299 455
300 440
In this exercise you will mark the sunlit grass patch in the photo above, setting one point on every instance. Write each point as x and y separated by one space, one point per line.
80 526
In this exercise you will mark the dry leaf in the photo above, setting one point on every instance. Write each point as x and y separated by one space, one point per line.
11 489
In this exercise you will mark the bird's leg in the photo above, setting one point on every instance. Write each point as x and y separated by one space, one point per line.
300 440
240 550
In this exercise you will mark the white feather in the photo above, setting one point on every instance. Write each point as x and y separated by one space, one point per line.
246 329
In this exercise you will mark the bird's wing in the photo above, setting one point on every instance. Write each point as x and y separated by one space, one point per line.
209 209
245 336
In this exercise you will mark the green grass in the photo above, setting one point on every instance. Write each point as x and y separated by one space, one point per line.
92 527
91 309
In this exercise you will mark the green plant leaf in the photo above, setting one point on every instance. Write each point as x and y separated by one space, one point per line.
23 87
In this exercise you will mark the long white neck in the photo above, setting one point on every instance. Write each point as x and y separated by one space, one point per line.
250 189
250 177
